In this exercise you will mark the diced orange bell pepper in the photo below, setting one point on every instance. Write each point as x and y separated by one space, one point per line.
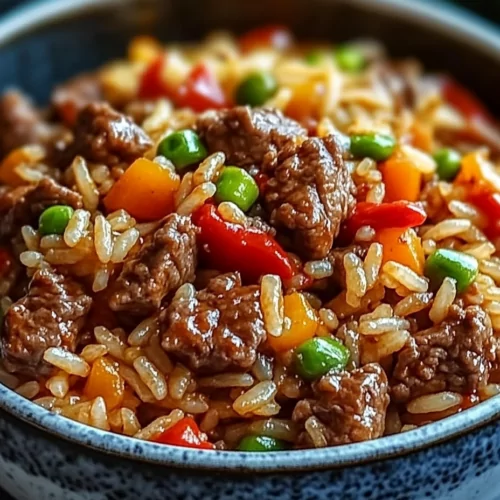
25 154
401 178
144 48
422 136
301 323
146 191
105 381
403 246
477 171
306 100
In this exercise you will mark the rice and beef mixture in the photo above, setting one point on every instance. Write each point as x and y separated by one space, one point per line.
238 245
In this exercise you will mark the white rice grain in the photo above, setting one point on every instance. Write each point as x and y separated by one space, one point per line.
406 276
319 269
355 277
232 213
382 325
196 198
160 425
185 188
254 398
225 380
123 244
67 361
152 377
141 334
447 229
443 301
209 169
93 352
29 390
116 347
85 184
99 414
31 259
372 264
431 403
271 302
76 228
58 385
103 237
31 238
131 425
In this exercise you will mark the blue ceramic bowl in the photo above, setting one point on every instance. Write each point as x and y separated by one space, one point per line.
44 456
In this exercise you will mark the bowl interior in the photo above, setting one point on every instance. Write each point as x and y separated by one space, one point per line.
77 36
55 40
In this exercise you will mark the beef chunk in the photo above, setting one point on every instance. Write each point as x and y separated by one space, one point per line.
219 328
166 261
311 194
103 135
71 97
23 205
50 315
351 406
454 355
248 136
20 123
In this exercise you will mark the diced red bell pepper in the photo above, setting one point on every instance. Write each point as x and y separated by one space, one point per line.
152 84
232 247
185 433
201 91
464 100
489 204
398 214
273 36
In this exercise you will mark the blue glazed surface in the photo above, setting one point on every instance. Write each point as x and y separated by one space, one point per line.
90 464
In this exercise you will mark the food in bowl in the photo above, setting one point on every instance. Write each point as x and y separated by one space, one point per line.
251 244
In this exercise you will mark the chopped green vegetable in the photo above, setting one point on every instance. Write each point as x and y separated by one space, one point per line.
448 163
182 148
54 220
317 356
314 57
444 263
349 58
261 443
376 146
256 89
238 186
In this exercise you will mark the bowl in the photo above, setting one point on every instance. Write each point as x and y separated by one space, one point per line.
44 456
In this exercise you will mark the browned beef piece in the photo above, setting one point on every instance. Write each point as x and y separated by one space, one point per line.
453 356
336 257
20 123
248 136
166 261
350 405
311 194
71 97
50 315
219 328
103 135
23 205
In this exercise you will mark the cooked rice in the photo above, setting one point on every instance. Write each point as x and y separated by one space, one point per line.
209 169
262 369
29 390
185 188
329 319
152 377
447 229
67 361
255 398
123 244
85 184
58 385
225 380
431 403
316 432
412 304
405 276
271 302
356 282
76 228
443 300
372 264
198 196
93 352
232 213
179 380
318 269
382 325
31 238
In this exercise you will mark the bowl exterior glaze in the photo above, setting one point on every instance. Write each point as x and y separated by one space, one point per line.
41 48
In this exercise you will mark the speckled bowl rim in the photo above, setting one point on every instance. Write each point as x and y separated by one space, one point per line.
450 20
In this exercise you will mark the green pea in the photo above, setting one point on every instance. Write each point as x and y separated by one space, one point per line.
314 57
349 58
54 220
182 148
256 89
448 163
261 443
238 186
319 355
444 263
376 146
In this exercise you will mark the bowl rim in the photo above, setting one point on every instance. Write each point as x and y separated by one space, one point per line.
449 19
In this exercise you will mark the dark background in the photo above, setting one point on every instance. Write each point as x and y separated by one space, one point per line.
488 8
